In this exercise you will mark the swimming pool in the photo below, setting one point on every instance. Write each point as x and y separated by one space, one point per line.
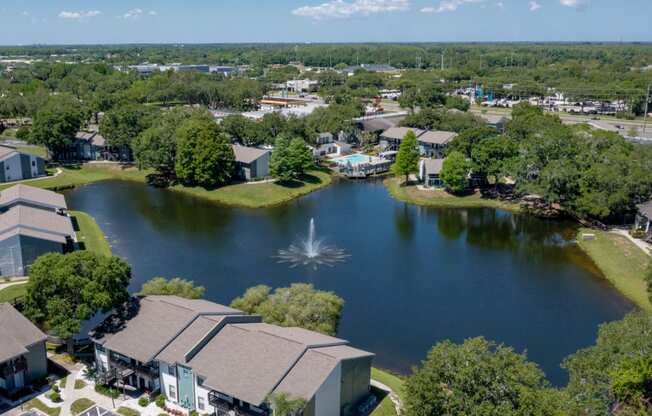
355 159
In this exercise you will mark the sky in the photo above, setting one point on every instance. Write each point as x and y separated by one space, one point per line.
231 21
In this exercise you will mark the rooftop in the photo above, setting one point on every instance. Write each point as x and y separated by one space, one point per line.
18 333
244 154
433 166
32 195
646 209
398 133
437 137
36 223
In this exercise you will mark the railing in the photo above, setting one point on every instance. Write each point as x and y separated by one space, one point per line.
142 369
225 408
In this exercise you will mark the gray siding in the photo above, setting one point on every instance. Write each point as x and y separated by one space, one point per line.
356 375
262 166
40 166
37 363
25 166
2 172
18 253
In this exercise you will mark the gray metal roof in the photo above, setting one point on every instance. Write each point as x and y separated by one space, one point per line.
32 195
18 333
244 154
34 222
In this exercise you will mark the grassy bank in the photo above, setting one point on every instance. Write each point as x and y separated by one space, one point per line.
621 261
10 293
386 407
441 199
89 234
258 195
251 195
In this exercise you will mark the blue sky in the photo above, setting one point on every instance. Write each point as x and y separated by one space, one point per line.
188 21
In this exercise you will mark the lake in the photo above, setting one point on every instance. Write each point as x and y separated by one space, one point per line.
415 275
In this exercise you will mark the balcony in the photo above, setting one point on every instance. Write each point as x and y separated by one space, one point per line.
11 367
225 408
125 367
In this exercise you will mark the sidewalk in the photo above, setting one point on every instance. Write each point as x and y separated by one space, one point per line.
647 248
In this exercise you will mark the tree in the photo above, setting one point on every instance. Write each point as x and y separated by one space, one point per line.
177 286
290 159
122 125
284 405
478 377
156 147
65 290
455 172
407 158
494 157
56 123
204 154
457 102
605 374
299 305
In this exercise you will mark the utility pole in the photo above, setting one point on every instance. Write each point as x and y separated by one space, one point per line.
647 104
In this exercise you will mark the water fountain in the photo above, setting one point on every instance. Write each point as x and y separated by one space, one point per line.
311 252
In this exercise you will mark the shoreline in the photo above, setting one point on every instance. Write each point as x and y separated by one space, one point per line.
244 195
441 199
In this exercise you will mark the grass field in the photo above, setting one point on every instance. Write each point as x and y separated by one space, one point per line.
441 199
622 263
250 195
80 405
90 234
386 407
39 405
12 292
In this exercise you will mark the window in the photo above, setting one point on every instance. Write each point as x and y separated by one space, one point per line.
172 392
99 348
33 163
172 370
200 381
200 403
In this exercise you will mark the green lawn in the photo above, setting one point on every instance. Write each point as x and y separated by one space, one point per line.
39 405
12 292
80 405
442 199
90 234
79 384
257 195
126 411
621 261
386 407
33 150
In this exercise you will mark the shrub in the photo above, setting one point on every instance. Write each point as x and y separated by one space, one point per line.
626 115
160 401
637 233
56 389
143 402
22 133
55 396
107 391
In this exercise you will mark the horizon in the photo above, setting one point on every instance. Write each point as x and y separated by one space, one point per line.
129 22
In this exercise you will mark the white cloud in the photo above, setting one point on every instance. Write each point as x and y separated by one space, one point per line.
576 4
82 14
340 9
24 13
137 13
500 5
534 6
448 6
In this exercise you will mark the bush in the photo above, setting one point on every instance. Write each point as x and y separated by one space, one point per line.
143 402
637 233
626 115
160 401
22 133
56 389
55 396
107 391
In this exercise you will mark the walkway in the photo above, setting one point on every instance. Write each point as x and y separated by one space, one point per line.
392 395
40 178
646 247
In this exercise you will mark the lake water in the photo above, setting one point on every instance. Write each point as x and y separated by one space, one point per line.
415 275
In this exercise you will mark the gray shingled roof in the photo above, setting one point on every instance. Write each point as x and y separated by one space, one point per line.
397 133
646 209
35 222
7 151
32 195
433 166
18 333
437 137
160 320
307 375
244 154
